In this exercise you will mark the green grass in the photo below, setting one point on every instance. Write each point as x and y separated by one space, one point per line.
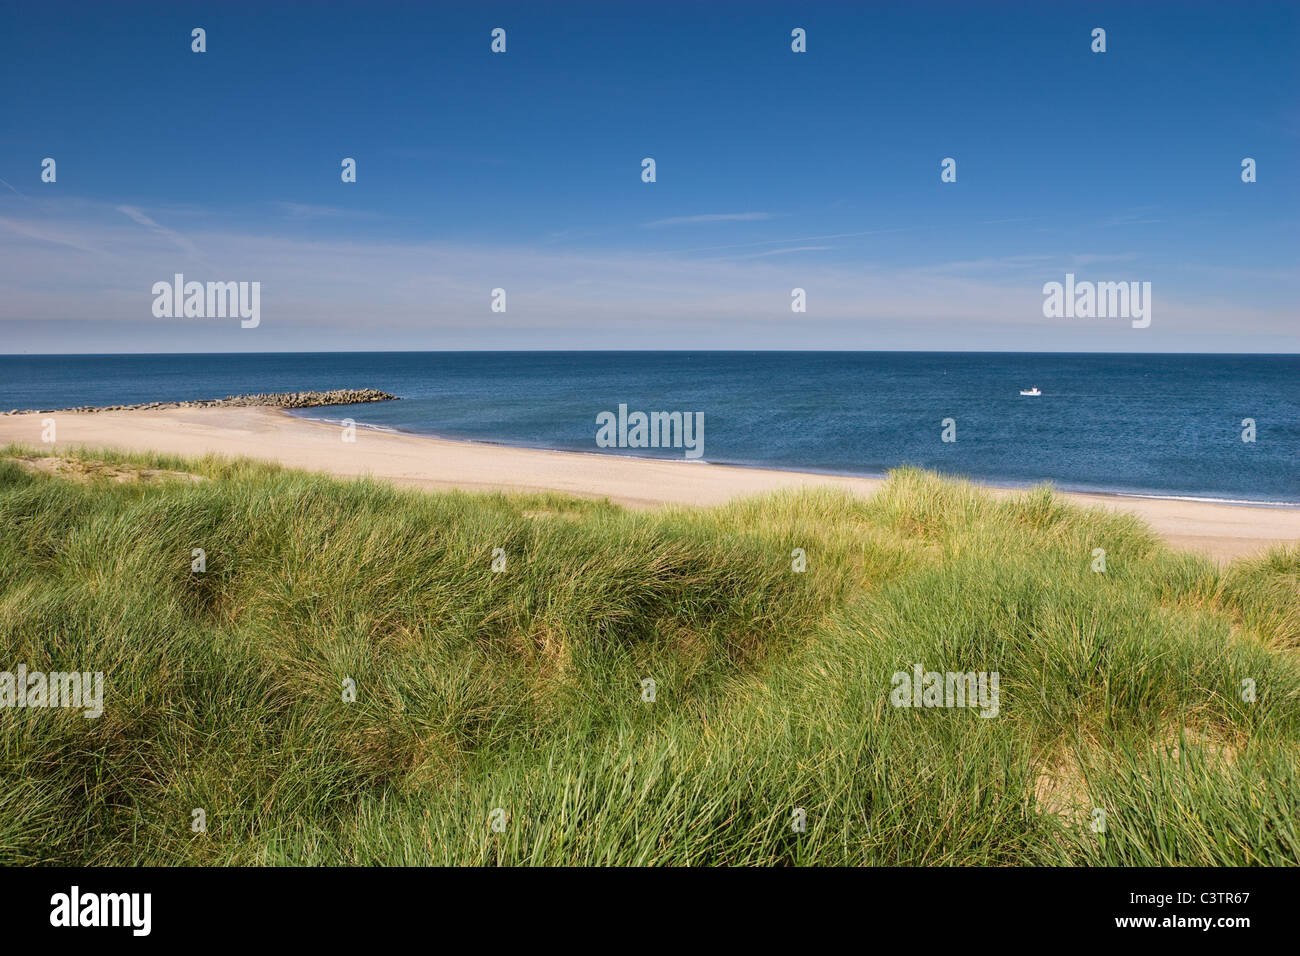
522 690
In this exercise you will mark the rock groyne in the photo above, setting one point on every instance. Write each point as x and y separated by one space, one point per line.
338 396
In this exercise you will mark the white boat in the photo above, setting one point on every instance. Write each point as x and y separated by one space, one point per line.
1031 391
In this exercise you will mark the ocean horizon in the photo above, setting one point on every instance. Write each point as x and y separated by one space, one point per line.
1159 425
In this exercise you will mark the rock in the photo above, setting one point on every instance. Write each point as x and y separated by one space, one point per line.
338 396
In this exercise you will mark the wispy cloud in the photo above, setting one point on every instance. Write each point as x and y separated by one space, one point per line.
423 293
772 242
43 232
988 264
571 235
777 252
711 217
138 216
1138 217
304 210
1091 258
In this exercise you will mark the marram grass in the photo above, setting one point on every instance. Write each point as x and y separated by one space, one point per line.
515 698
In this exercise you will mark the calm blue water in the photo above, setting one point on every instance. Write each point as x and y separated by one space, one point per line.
1147 424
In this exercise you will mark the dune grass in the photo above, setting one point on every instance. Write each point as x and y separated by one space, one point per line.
516 697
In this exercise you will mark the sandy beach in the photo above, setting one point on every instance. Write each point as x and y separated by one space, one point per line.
1223 531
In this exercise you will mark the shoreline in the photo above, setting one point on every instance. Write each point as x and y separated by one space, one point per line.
1222 530
993 485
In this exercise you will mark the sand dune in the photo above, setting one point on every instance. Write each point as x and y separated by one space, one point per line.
1220 530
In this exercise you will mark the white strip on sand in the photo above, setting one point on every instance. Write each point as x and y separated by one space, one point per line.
1223 531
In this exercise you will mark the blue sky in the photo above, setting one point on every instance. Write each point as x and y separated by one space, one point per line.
775 170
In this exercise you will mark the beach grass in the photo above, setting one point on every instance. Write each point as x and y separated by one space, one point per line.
1147 715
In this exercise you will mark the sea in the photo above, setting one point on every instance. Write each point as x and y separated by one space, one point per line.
1157 425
